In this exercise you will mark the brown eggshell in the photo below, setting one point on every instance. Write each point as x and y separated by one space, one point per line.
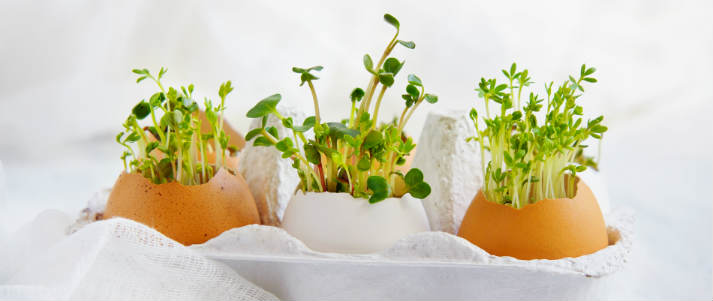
230 161
547 229
189 214
235 138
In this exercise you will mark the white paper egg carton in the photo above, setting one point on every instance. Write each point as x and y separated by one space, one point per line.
427 265
422 265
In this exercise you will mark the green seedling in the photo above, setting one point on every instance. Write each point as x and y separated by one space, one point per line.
534 155
355 155
171 147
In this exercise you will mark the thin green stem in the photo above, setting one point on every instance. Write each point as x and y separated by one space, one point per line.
351 115
201 150
420 100
298 155
317 119
366 103
378 105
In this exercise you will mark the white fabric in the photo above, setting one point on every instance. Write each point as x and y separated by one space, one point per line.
117 259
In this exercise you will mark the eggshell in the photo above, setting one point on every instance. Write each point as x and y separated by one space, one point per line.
189 214
547 229
235 138
230 161
338 222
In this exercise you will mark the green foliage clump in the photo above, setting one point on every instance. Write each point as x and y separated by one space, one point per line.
172 147
356 155
531 159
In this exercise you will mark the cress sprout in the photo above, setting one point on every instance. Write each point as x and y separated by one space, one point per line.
172 147
531 159
356 155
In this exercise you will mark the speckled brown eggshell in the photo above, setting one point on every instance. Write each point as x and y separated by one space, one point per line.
547 229
189 214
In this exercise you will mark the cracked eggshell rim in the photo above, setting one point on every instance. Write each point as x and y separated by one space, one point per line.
189 214
547 229
340 223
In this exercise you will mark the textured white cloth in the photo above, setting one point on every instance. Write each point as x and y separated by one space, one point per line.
117 259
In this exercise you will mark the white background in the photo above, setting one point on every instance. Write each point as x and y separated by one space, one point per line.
66 88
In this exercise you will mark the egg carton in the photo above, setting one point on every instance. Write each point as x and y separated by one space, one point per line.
426 265
423 265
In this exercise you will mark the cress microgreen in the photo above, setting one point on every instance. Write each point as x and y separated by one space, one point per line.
533 155
356 155
172 147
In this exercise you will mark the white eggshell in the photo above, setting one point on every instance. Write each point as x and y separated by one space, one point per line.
338 222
